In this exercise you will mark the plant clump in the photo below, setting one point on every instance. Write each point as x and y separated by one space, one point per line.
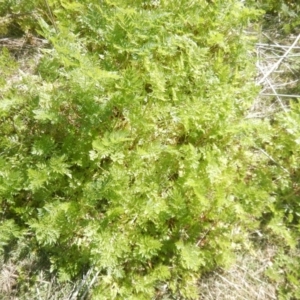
127 155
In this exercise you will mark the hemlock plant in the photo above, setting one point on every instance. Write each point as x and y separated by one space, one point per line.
128 151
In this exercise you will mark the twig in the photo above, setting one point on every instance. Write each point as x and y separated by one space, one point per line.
287 83
275 43
49 288
273 160
238 288
51 16
38 293
251 275
90 285
275 66
294 55
77 289
273 89
281 95
274 46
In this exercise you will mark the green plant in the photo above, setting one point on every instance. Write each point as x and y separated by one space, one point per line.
130 152
286 13
7 66
283 147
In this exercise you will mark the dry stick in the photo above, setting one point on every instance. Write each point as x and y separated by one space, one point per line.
287 65
90 285
273 46
287 83
272 88
275 66
51 16
274 42
273 160
246 285
293 55
75 291
38 293
260 293
265 35
281 95
238 288
210 295
250 275
49 288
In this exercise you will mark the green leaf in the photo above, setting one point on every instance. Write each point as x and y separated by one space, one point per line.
58 165
37 178
190 255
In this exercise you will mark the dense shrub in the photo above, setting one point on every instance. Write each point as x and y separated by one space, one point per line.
128 151
285 211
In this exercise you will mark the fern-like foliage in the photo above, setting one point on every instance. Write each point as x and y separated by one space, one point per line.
128 151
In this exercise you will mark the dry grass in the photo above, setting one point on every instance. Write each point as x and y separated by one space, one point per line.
278 66
27 51
17 283
245 280
8 278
